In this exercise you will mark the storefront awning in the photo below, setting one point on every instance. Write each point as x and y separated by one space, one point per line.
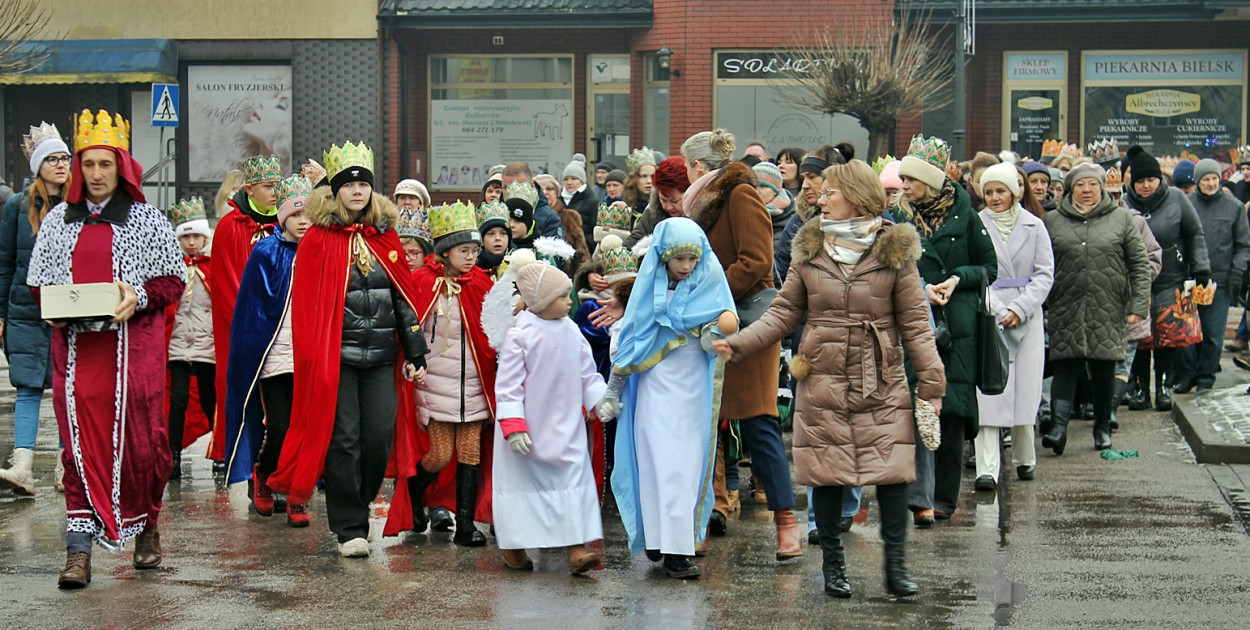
102 61
516 14
1031 11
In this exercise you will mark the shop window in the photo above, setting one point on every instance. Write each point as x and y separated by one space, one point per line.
655 104
487 110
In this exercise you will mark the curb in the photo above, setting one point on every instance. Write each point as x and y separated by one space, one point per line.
1209 447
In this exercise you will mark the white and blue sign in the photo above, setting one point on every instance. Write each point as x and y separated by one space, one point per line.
1036 66
1165 66
164 104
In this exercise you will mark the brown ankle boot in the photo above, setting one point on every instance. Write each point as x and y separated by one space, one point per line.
580 560
789 536
148 548
77 573
517 560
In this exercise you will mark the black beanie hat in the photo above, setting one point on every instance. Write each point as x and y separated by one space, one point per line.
521 210
353 174
605 166
616 175
1141 164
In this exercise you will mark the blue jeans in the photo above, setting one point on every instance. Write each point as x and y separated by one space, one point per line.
26 417
850 504
1200 362
1243 329
731 477
762 437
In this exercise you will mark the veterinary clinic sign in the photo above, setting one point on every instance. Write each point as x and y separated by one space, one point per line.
1167 101
468 136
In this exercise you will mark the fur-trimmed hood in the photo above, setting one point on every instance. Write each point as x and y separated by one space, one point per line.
710 202
895 245
323 210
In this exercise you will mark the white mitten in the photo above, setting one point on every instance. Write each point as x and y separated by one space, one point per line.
608 408
928 424
520 443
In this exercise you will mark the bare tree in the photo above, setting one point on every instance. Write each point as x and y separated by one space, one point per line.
22 25
877 71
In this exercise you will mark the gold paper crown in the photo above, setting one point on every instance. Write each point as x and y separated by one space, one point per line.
931 150
1051 148
1070 151
339 159
38 135
291 188
1114 180
312 171
258 169
414 223
1240 154
1167 163
114 132
492 211
522 190
189 209
615 216
1104 150
1203 295
450 218
618 261
881 162
639 157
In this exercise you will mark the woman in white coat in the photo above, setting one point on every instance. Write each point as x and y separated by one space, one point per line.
1026 271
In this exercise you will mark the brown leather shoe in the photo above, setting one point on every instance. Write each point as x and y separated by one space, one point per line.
580 560
517 560
789 536
77 573
148 548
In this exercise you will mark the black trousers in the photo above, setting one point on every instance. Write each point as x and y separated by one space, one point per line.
948 462
1101 383
276 393
180 373
364 425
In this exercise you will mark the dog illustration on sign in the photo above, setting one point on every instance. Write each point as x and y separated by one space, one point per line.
550 124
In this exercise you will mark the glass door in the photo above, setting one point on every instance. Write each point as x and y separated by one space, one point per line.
608 118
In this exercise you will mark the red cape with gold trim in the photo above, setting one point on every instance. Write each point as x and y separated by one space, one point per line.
411 441
318 291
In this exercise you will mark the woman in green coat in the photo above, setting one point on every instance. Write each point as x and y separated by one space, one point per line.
956 264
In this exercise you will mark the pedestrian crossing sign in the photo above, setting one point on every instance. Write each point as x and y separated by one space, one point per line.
164 104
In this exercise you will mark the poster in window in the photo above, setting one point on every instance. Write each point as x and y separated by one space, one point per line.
468 136
1034 119
1200 119
235 112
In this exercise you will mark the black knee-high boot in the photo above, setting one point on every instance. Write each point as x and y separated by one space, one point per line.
468 483
827 504
893 501
1163 379
417 485
1057 438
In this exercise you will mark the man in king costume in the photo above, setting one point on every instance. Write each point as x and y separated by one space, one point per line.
109 377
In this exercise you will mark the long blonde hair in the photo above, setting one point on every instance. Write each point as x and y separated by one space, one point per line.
229 186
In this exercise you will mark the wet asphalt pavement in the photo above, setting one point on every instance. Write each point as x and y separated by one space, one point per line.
1145 542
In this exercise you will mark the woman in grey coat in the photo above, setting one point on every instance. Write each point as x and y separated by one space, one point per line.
1102 281
1228 244
1178 229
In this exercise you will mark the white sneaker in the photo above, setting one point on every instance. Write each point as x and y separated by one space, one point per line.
354 548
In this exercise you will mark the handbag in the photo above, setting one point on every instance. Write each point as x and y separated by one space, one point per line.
941 330
1175 326
993 357
752 307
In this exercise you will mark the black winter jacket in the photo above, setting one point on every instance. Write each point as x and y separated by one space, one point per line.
373 314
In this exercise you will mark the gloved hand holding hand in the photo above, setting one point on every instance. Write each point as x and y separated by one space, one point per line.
608 408
520 443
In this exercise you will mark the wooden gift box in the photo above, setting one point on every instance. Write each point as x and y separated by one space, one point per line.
92 300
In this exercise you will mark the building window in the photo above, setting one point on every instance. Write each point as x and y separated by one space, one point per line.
487 110
749 104
655 104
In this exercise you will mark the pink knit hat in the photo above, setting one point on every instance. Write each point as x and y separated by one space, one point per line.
889 176
541 284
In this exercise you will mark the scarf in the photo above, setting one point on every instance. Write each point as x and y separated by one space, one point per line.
567 196
929 215
779 204
1005 221
692 193
1149 204
846 241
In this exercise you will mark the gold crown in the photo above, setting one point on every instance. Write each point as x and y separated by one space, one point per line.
1167 163
931 150
339 159
618 261
292 187
103 131
450 218
258 169
1203 295
638 158
881 162
492 211
312 171
1051 148
1104 150
615 216
38 135
189 209
522 190
415 223
1114 180
1070 151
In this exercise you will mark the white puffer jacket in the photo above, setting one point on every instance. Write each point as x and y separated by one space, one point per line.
452 391
192 337
281 357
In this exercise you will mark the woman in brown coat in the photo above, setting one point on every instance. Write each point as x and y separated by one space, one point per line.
723 200
854 276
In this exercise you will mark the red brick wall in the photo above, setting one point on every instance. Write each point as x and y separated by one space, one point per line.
986 70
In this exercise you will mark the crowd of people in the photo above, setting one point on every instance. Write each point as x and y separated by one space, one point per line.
518 359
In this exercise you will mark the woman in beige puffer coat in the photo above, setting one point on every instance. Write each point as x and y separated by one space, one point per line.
854 276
